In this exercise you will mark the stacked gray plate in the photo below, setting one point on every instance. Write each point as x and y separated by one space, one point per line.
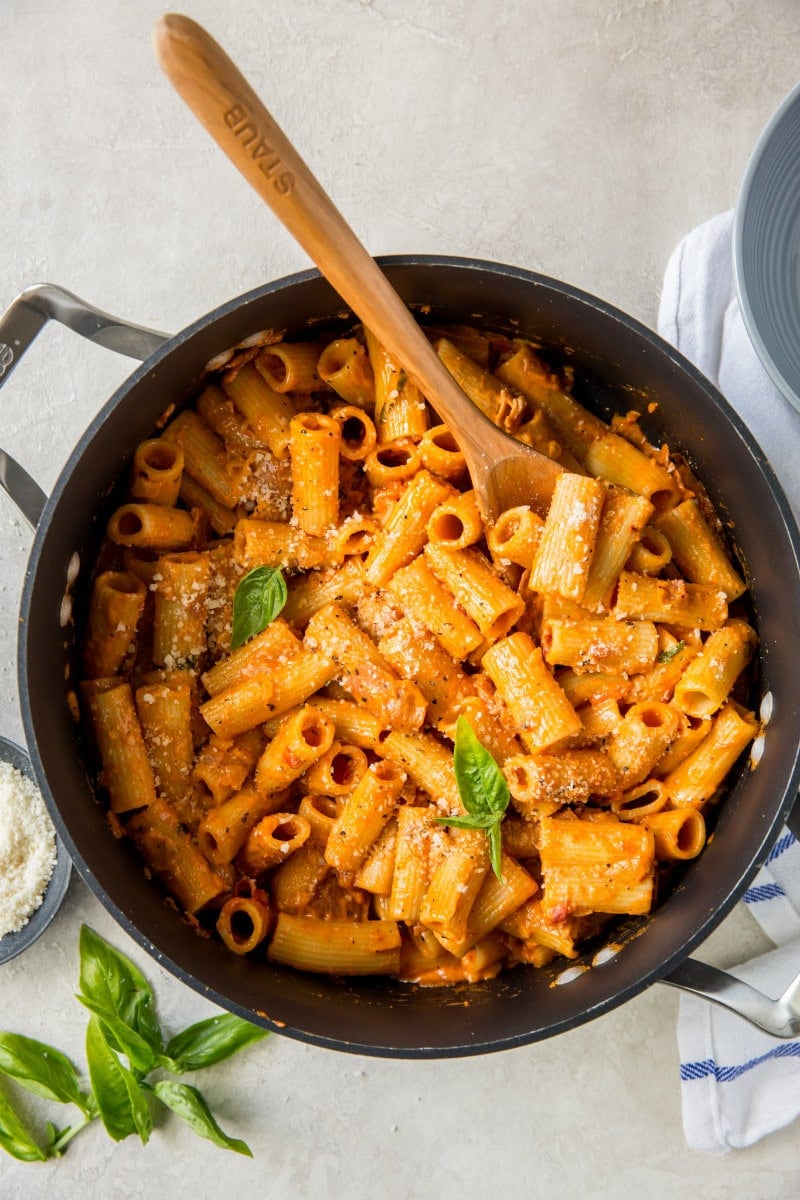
766 248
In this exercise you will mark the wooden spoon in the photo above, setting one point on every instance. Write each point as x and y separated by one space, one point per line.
504 472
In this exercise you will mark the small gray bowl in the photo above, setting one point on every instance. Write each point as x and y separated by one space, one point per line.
766 247
14 943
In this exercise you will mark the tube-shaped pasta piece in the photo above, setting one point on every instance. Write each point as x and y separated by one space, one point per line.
709 677
679 834
355 536
404 531
621 523
440 454
277 544
301 739
165 715
566 546
290 367
614 459
377 871
658 681
338 771
496 400
265 652
353 724
575 426
456 523
364 815
477 588
495 902
593 687
494 734
115 608
222 765
413 865
651 553
600 720
455 884
429 765
206 459
599 644
392 462
358 432
240 707
591 866
531 925
429 602
310 592
515 535
303 675
243 921
696 779
670 601
336 947
220 413
152 526
127 773
400 408
421 658
271 841
221 519
344 365
369 678
223 831
697 550
641 738
641 801
692 732
567 778
156 472
171 854
268 412
314 442
542 713
295 882
180 610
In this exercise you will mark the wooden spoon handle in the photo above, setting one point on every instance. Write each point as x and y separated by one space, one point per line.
226 105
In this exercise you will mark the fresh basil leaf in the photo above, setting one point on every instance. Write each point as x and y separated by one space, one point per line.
41 1069
467 822
259 598
15 1136
481 785
186 1102
114 987
121 1100
211 1041
495 849
122 1038
666 655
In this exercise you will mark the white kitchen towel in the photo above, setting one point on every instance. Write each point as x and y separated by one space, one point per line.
738 1084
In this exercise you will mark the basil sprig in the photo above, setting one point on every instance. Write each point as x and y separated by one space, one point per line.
124 1044
259 598
666 655
482 788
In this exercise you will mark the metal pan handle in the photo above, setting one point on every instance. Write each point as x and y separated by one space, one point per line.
19 325
780 1018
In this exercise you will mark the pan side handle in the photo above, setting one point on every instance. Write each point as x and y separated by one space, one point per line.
780 1018
20 324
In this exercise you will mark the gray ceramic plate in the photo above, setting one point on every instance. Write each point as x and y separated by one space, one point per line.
766 247
14 943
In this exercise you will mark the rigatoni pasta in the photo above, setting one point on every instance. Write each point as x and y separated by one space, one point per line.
294 787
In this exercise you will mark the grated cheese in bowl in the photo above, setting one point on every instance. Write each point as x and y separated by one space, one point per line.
27 849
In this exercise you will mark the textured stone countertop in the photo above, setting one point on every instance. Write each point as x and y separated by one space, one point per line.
581 138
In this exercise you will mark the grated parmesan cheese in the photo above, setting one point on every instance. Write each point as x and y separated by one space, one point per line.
27 849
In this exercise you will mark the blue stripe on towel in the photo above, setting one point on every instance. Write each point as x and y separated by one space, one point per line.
781 846
763 891
699 1070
